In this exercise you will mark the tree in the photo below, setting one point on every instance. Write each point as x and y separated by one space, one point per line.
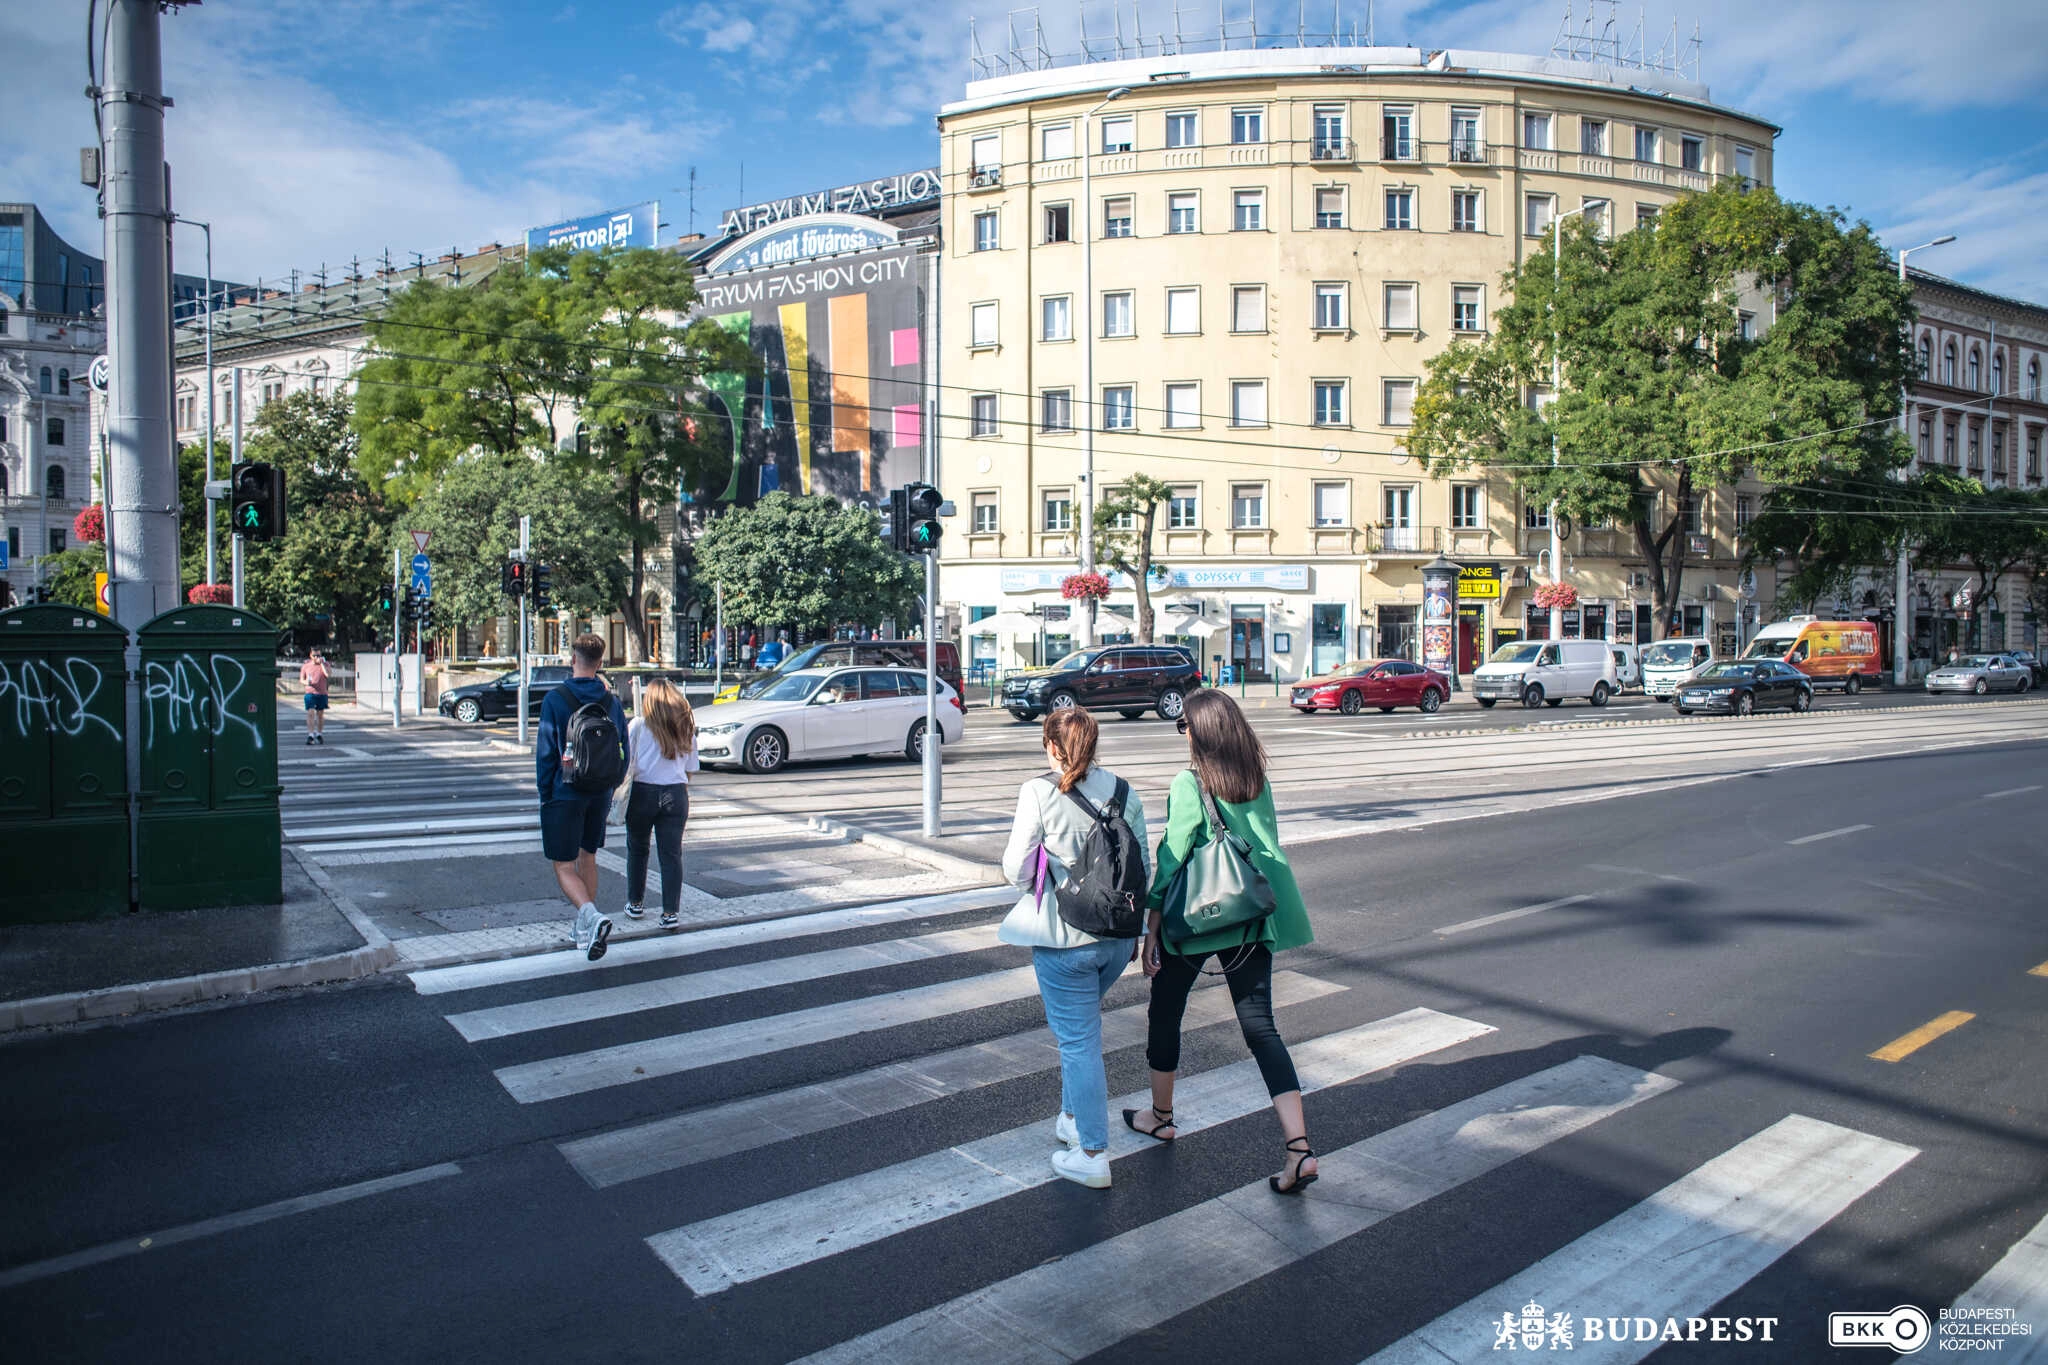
68 576
806 560
1664 397
1129 549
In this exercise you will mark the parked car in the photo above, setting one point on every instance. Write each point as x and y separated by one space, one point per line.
499 697
1127 679
849 654
825 713
1546 673
2034 664
1385 683
1832 653
1740 686
1668 663
1981 673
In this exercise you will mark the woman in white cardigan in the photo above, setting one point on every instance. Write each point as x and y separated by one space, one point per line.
1075 970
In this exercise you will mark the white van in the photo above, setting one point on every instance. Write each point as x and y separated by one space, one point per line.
1547 672
1628 665
1668 663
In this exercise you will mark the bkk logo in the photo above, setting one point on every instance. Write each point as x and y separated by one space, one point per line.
1532 1330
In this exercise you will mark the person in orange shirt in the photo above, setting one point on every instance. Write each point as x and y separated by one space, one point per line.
313 673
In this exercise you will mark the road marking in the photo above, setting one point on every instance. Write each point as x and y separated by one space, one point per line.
1506 915
681 1140
764 1239
477 975
556 1011
1059 1312
229 1222
1828 834
1686 1247
1908 1044
2019 1283
626 1063
2010 791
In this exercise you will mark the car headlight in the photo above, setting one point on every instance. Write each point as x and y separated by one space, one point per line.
1038 685
1722 692
725 729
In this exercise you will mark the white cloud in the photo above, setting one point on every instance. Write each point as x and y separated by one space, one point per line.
707 27
1996 214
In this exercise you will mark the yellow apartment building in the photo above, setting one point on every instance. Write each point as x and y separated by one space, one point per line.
1278 241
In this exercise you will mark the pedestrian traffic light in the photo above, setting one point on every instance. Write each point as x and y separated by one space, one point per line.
513 579
426 615
257 493
922 503
899 520
541 575
385 601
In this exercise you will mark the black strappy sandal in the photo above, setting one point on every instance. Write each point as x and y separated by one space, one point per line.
1300 1182
1165 1121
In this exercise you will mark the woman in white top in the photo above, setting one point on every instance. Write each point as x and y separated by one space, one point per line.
1075 970
661 745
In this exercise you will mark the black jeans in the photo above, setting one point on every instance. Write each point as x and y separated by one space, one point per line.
1249 972
659 812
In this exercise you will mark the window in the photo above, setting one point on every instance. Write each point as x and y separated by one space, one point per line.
981 415
1248 211
1465 510
1328 133
1329 208
1467 310
57 538
4 487
1593 137
1247 506
985 231
1059 222
1248 308
1119 315
2034 454
1536 132
1125 520
1116 216
1689 515
1119 134
1399 402
53 482
1598 215
985 154
1183 312
1119 408
1400 210
1183 405
1745 512
1397 132
1180 128
1745 326
1056 410
1976 447
1056 143
185 406
1398 308
1537 398
1248 403
53 431
1538 212
1692 153
1998 374
981 324
1948 364
1180 213
1536 516
46 380
1333 504
1745 166
1329 402
985 523
64 381
1059 510
272 391
1466 142
1056 314
1397 510
2033 384
1465 211
1182 507
1646 215
1926 356
1926 440
1248 125
1998 450
1948 443
1646 144
1331 308
1976 369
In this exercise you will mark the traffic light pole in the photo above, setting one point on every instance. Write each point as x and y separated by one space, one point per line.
397 628
525 676
235 566
934 738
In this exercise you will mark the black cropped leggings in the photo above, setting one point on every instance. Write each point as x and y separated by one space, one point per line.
1249 973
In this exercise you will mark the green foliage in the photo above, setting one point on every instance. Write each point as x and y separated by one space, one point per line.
805 560
1138 497
69 576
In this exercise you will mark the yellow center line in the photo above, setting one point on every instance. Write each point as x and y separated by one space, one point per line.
1903 1047
2041 970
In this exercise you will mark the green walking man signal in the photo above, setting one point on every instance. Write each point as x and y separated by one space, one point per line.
914 512
257 491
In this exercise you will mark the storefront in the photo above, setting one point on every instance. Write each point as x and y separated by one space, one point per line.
1479 592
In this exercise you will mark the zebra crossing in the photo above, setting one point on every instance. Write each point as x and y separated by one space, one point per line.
908 1023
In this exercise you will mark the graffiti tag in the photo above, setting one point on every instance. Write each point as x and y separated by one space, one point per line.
187 695
38 695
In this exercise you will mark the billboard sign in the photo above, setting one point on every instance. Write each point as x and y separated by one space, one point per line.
627 227
887 195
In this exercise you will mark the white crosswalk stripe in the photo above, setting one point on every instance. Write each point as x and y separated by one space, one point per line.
2018 1284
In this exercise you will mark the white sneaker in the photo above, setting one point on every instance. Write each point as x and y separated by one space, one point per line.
584 928
1081 1168
635 911
1064 1131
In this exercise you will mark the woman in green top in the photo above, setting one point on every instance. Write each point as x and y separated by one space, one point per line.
1230 764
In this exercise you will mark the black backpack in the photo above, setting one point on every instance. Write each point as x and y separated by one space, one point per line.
1105 894
593 750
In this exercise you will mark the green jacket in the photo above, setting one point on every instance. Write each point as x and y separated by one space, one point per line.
1256 822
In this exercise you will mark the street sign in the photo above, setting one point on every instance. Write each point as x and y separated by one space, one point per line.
3 555
419 541
100 373
99 593
422 576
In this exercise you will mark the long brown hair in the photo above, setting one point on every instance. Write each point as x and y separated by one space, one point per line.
1072 734
668 716
1228 756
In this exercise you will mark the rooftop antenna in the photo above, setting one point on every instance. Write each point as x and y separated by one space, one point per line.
693 201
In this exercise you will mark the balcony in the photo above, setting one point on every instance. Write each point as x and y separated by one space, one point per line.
1538 160
1333 150
1469 152
1399 149
1250 153
985 178
1404 540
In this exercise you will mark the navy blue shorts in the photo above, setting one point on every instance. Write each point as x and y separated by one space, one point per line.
573 823
316 701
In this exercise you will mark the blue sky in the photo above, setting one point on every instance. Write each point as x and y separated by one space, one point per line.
311 132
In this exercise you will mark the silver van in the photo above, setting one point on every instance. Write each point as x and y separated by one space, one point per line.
1547 673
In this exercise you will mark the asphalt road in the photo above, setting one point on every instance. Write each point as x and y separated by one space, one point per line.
1747 943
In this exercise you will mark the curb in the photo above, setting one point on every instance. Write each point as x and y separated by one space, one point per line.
977 873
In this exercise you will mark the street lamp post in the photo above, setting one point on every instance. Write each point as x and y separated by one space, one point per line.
1902 620
1556 388
1088 351
207 228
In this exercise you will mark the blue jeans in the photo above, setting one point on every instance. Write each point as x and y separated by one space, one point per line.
1072 982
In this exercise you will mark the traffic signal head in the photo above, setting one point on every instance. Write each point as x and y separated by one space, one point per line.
541 576
513 578
921 504
257 501
899 520
384 599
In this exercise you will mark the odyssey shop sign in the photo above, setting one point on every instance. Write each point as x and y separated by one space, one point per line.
1276 577
868 196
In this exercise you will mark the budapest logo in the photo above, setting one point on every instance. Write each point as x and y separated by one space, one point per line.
1531 1330
1534 1330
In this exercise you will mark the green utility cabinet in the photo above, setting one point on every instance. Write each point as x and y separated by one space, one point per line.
208 832
63 772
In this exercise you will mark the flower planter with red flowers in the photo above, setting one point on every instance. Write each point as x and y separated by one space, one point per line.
211 594
1084 587
90 526
1562 595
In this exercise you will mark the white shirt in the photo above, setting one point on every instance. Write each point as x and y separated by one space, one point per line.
648 764
1047 816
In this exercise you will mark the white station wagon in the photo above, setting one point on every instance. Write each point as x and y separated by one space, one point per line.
826 713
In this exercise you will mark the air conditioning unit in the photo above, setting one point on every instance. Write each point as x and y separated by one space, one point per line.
1639 580
983 177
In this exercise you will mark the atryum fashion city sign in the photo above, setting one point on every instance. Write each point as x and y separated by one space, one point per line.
868 196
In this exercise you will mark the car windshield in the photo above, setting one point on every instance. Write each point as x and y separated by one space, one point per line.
1668 653
1522 652
1078 659
1354 668
1768 647
1729 670
796 688
790 664
1973 661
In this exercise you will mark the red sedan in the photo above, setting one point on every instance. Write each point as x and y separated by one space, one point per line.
1385 683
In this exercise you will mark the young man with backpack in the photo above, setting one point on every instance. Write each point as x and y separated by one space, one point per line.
579 761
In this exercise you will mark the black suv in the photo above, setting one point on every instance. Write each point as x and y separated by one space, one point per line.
1127 679
500 697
